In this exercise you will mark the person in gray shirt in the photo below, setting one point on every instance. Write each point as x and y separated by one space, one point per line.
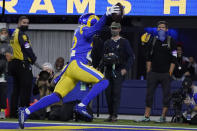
5 56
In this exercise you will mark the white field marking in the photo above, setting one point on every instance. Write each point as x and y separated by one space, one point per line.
107 125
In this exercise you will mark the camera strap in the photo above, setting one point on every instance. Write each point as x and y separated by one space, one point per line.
155 39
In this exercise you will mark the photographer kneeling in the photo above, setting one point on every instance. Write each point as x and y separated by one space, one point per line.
190 100
43 87
190 115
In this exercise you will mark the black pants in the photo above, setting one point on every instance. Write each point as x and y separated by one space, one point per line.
153 80
22 77
3 95
113 92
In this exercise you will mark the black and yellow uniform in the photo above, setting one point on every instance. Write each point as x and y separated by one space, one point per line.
21 70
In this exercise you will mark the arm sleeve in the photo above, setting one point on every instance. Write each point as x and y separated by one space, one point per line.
88 32
26 47
130 54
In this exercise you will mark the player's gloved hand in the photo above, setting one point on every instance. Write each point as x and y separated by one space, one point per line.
113 9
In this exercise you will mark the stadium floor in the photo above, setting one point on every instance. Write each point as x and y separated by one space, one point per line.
37 126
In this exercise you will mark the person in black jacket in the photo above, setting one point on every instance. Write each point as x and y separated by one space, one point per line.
161 59
180 70
118 59
20 66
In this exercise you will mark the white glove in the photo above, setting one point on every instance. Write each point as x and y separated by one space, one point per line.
113 9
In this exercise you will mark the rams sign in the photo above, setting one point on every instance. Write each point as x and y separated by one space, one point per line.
78 7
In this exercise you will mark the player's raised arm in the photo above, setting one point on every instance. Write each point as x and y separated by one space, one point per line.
93 23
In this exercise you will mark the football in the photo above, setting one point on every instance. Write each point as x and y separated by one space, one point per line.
117 17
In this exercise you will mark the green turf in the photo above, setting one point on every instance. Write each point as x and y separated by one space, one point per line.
120 122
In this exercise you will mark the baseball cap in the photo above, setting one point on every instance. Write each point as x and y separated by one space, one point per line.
115 25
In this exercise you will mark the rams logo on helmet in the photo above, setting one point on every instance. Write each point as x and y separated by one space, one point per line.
88 19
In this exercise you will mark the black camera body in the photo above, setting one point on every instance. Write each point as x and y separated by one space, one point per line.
44 76
177 98
110 59
111 55
179 95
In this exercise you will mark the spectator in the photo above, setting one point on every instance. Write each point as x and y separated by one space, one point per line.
192 68
20 66
59 64
44 79
43 87
180 70
117 60
5 56
160 66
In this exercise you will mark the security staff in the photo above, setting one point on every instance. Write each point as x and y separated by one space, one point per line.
20 66
118 58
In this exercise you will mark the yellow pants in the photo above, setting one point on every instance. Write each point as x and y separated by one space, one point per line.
76 71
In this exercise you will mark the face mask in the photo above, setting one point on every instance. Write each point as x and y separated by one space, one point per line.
162 35
114 33
3 38
24 28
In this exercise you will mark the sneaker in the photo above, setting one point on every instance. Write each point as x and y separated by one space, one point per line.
161 120
22 116
114 119
109 119
82 111
145 119
2 115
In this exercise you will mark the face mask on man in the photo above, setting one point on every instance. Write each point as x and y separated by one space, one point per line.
3 38
114 33
162 35
24 28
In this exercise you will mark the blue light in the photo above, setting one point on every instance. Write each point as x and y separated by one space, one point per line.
172 32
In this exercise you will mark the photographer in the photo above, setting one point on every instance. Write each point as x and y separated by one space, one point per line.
118 58
190 115
43 87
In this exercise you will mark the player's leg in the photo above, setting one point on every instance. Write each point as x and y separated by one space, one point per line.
88 74
64 86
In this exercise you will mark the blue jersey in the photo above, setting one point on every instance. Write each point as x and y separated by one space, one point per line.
83 41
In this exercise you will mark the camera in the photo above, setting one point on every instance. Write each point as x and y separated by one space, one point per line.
177 98
44 76
110 59
111 56
186 84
